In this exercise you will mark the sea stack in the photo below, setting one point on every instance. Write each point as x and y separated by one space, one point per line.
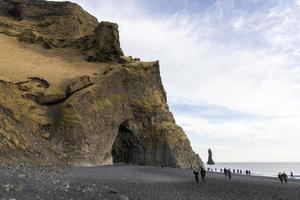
66 97
210 160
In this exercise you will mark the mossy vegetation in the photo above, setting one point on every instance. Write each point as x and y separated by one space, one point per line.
69 115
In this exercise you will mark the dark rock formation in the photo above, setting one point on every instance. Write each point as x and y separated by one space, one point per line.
107 42
53 23
123 118
119 114
210 160
61 24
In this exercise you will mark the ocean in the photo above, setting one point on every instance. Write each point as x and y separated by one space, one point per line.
270 169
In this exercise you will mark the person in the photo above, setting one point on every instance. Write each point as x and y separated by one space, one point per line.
280 177
196 173
225 173
241 172
229 174
238 171
203 173
233 171
285 177
292 175
221 170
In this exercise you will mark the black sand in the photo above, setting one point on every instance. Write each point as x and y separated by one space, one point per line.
136 182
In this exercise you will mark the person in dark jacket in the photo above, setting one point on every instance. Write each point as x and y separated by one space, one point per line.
280 177
229 174
203 173
225 172
196 173
285 177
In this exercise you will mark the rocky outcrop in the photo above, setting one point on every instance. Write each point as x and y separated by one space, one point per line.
107 42
61 24
103 45
54 24
210 160
118 114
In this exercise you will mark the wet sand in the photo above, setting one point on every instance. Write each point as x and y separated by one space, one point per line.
136 182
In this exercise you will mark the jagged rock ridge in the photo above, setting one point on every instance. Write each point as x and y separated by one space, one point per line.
109 109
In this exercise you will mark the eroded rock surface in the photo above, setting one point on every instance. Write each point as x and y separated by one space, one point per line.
79 84
107 41
52 24
117 114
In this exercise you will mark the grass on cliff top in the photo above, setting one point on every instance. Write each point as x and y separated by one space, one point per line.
19 60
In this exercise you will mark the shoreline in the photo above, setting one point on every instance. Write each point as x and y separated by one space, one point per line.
295 178
264 169
255 176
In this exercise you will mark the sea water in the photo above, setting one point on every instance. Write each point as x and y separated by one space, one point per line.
270 169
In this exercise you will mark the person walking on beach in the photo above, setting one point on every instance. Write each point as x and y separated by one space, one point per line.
285 177
280 177
229 174
203 173
292 175
225 173
196 173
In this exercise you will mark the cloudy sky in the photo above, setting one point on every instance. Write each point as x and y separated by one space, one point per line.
231 69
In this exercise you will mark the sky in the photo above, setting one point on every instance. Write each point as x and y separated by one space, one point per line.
231 69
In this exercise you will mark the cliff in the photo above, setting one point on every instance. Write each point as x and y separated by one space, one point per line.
68 95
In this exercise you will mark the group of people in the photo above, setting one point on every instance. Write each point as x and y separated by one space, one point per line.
227 173
283 177
240 172
234 171
202 173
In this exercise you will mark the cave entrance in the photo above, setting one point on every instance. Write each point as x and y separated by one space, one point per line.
15 12
127 147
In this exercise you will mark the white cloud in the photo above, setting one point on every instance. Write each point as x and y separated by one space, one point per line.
254 70
238 23
242 137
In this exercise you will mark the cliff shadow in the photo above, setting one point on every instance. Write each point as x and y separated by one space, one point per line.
126 148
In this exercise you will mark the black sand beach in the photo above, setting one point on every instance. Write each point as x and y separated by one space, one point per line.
136 182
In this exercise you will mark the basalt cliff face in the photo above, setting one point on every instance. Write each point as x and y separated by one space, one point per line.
68 95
